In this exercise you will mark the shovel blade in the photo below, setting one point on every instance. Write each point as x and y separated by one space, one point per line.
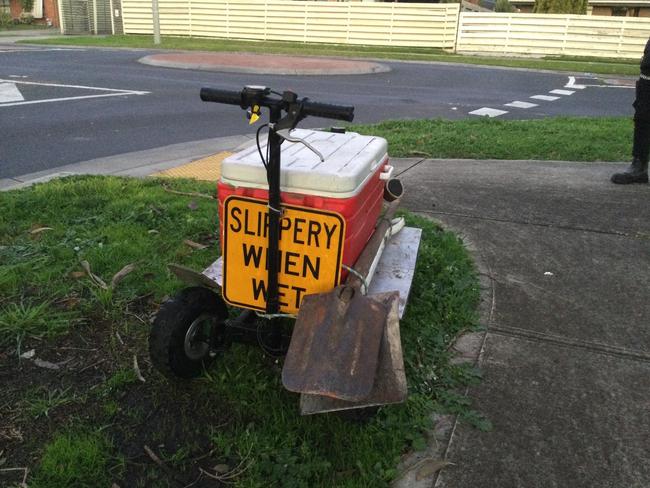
334 350
390 382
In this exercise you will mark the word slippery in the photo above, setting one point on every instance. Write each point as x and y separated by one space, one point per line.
311 250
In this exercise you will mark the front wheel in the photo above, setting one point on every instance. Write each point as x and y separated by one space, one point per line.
184 331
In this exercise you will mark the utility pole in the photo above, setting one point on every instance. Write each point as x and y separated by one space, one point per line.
156 21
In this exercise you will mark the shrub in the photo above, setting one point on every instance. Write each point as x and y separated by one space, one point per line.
560 6
5 19
503 6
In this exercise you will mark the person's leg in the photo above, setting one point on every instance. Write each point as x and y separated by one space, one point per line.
637 172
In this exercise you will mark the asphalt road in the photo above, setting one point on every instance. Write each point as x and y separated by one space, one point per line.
61 106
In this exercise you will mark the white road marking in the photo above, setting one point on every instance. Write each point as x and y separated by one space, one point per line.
518 104
546 98
131 92
14 101
610 86
9 92
50 100
490 112
562 92
28 50
572 84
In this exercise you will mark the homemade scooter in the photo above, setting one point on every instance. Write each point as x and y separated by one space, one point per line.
284 249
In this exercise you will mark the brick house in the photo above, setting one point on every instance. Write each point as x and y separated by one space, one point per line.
624 8
44 11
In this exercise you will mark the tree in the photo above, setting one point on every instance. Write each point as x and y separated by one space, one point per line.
27 5
560 7
503 6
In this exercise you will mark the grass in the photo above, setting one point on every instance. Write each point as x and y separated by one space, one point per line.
20 27
36 320
572 64
562 139
237 415
39 401
79 459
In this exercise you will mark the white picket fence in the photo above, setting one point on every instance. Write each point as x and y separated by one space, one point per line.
394 24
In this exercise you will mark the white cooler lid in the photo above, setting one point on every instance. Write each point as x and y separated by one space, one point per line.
350 159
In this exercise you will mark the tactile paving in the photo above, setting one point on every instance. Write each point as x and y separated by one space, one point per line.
207 169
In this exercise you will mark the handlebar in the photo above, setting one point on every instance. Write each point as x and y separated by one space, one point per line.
261 96
229 97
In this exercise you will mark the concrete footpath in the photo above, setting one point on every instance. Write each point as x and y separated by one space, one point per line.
564 259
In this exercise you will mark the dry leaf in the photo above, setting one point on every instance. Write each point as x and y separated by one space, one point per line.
29 354
94 278
221 468
38 230
77 274
195 245
121 274
46 364
136 368
429 466
69 302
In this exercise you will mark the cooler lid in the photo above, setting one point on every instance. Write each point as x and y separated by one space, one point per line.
350 159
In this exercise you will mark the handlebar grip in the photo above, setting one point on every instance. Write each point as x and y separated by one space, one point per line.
229 97
328 111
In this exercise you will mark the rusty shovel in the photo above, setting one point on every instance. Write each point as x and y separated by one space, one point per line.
335 345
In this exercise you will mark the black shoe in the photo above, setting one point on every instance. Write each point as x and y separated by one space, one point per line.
636 173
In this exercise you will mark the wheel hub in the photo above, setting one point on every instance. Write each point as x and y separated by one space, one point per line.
197 337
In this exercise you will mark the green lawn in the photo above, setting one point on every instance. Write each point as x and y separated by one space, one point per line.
562 139
575 65
23 27
87 423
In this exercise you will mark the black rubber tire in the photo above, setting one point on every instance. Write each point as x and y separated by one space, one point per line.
167 335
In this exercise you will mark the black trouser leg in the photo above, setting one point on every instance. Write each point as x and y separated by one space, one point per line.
638 170
641 143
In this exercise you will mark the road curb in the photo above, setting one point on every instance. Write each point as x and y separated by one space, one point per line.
270 64
135 164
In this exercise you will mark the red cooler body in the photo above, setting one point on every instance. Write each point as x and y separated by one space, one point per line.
350 181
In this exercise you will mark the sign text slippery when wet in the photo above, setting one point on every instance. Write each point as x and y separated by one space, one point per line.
310 253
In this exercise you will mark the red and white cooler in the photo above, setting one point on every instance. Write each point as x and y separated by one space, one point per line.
349 182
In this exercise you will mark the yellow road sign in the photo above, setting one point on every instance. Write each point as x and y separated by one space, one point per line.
311 250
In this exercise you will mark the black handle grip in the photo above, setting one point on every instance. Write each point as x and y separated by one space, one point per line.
244 99
328 111
229 97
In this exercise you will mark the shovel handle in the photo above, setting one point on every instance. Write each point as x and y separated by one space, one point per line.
365 259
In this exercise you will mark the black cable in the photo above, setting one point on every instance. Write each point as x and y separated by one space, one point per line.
259 148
